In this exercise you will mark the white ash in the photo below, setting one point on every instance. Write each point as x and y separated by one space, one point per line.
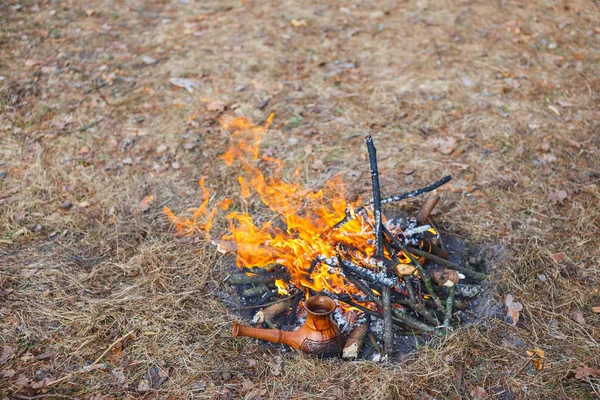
299 323
377 326
340 318
417 230
469 291
407 231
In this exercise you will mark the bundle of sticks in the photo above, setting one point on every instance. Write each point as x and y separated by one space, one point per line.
409 283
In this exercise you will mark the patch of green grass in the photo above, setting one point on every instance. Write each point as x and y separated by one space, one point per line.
294 122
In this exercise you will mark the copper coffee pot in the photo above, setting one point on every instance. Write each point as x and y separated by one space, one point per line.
319 335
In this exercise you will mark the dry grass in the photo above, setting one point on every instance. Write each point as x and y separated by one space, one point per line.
84 116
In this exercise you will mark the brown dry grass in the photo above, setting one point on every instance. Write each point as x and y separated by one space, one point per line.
527 126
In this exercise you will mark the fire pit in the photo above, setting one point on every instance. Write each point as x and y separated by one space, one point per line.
323 262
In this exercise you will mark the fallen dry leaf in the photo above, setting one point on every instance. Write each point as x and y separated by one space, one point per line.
447 145
558 196
31 63
298 23
583 372
578 317
46 355
145 202
153 379
215 106
6 354
119 375
22 381
187 84
558 257
18 217
247 385
276 367
28 272
8 373
513 309
144 385
40 384
478 393
537 358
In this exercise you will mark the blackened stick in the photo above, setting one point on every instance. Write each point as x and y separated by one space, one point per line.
406 195
388 333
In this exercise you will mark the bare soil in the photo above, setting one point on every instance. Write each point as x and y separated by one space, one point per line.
99 299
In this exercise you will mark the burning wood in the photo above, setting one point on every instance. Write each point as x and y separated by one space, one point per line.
321 245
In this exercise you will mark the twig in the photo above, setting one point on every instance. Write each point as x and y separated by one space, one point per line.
388 333
374 342
419 308
91 124
406 195
97 89
465 271
116 342
449 304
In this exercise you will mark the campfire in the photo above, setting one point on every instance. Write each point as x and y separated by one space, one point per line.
325 263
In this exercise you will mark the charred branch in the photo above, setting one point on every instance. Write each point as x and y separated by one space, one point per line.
406 195
388 335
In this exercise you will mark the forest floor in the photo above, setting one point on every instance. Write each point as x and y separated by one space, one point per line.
503 95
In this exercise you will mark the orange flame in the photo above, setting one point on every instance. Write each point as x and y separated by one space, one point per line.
300 228
199 222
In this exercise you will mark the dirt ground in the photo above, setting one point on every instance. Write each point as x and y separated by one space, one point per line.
503 95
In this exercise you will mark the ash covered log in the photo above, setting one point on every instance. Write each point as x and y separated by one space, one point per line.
364 273
241 279
255 291
356 338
